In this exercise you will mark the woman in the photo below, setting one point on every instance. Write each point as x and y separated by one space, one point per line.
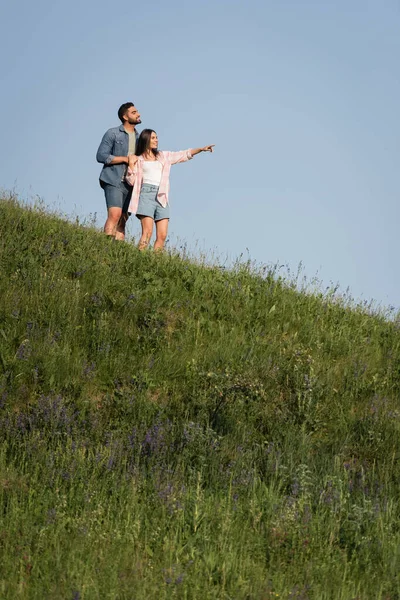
148 171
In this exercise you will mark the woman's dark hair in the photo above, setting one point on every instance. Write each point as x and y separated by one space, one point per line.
143 142
122 110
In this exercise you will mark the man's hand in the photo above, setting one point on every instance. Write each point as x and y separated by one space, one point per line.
208 148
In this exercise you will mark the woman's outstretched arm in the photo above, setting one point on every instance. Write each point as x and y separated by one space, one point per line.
184 155
195 151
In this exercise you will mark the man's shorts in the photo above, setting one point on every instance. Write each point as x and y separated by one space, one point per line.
148 204
118 197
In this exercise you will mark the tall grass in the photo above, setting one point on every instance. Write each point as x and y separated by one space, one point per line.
175 430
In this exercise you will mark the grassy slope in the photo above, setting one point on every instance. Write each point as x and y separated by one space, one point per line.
170 430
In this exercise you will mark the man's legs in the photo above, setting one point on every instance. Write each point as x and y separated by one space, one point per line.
114 215
117 200
147 231
161 233
120 234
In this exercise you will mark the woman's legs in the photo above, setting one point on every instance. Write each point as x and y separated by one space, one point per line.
161 233
149 211
147 231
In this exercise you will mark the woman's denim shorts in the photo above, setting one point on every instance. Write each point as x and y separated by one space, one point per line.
148 204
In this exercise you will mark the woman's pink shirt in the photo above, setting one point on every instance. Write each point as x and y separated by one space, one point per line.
135 177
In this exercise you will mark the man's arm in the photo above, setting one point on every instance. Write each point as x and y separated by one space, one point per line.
104 152
117 160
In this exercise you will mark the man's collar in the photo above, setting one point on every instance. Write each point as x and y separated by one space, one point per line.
122 128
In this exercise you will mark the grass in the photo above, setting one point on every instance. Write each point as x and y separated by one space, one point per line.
171 429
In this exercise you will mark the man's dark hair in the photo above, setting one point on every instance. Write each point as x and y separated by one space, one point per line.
122 110
143 142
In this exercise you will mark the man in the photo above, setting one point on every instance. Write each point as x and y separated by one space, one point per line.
115 147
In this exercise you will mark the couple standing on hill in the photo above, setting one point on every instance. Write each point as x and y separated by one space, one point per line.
135 177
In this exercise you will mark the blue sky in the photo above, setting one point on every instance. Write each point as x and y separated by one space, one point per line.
301 99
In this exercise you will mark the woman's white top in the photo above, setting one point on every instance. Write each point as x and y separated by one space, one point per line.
152 170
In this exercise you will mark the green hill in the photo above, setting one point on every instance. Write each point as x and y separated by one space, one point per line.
174 430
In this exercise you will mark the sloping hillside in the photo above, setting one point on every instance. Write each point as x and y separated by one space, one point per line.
172 430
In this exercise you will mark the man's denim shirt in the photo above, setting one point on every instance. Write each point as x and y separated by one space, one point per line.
115 142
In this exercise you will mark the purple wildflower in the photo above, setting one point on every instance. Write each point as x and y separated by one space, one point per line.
295 488
88 369
79 273
154 441
51 515
110 463
24 350
96 299
132 439
3 399
56 337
